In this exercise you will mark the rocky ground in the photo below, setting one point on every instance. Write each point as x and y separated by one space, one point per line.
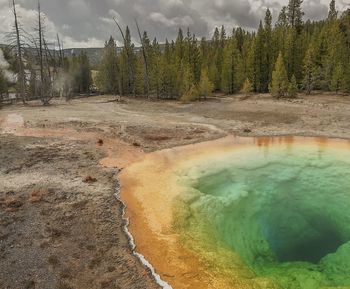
61 225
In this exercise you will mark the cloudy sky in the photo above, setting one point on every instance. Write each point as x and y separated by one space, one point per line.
87 23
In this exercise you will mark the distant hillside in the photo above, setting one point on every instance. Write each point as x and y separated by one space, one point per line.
94 54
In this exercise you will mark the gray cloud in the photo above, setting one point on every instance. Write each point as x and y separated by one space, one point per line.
89 22
315 10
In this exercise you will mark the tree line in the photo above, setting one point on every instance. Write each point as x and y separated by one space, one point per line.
282 58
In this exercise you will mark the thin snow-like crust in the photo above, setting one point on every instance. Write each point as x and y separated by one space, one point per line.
143 260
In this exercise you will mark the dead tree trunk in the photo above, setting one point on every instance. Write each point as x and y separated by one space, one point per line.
145 61
50 78
21 72
43 95
60 53
120 85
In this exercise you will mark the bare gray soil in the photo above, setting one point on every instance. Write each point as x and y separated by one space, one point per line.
57 231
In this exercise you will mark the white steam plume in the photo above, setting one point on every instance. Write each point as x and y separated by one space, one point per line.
4 67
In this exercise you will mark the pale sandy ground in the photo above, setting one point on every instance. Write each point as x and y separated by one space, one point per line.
57 231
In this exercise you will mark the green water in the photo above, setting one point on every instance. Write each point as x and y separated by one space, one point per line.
283 210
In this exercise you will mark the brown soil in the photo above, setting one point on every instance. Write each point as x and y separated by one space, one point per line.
60 222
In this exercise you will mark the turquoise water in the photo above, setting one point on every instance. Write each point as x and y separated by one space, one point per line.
283 210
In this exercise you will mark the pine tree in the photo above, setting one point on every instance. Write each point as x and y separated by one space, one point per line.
259 65
337 79
169 72
109 76
331 50
309 70
239 34
181 69
205 86
280 33
333 13
85 74
127 64
246 59
180 47
247 87
268 65
218 45
194 57
186 81
155 59
293 88
279 83
228 72
295 14
139 76
345 26
282 18
222 36
346 78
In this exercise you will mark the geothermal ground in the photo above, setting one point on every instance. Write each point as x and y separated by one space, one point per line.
61 225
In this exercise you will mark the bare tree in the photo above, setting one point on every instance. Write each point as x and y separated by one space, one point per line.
41 60
60 53
19 52
145 61
42 50
50 60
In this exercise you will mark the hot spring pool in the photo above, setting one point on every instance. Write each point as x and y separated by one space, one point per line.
262 213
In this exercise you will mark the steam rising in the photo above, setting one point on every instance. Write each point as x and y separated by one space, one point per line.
4 67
